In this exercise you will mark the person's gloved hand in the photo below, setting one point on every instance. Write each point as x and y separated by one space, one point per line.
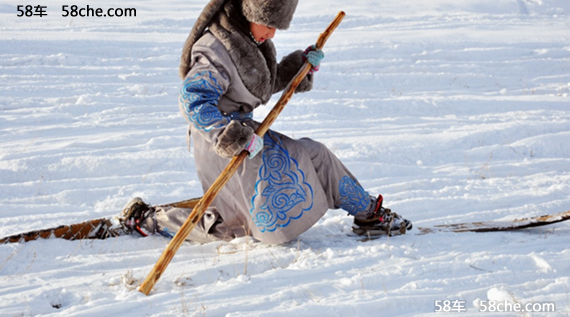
314 56
236 138
254 146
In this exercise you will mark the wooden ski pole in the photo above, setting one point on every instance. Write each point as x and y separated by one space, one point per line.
230 170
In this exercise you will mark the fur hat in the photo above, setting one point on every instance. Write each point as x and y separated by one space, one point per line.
272 13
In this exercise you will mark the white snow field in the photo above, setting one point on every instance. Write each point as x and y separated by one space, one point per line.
454 110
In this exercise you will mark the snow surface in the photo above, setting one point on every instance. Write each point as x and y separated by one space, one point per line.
454 110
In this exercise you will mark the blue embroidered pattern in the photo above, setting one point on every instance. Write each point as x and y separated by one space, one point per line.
200 95
167 233
285 194
353 198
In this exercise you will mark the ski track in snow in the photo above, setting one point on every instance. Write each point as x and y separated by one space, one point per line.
455 111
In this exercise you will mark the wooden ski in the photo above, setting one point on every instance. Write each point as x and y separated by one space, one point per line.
90 229
502 225
95 228
480 226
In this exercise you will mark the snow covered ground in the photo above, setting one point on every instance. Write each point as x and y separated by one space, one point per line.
454 110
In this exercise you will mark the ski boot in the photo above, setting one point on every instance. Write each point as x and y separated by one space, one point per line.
133 214
127 222
380 221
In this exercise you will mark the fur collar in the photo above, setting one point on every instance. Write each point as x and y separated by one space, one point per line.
210 10
256 65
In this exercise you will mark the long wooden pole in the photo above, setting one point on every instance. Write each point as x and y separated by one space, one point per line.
230 170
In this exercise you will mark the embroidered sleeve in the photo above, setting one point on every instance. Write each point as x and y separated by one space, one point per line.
201 91
199 98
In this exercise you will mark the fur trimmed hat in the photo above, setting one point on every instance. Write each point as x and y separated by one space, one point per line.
273 13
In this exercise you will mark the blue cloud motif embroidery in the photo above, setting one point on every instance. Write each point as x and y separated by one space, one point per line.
353 198
285 195
200 95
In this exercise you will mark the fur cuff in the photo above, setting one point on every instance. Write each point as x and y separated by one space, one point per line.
288 68
233 140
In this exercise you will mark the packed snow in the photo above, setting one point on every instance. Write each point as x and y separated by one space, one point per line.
454 110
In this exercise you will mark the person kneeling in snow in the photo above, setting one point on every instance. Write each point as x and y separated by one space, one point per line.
229 68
